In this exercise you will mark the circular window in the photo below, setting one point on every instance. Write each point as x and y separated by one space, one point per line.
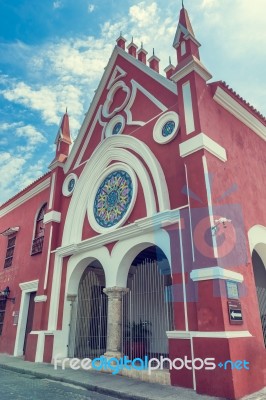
69 184
166 127
115 126
113 198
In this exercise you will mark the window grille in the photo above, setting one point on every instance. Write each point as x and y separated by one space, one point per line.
37 243
10 251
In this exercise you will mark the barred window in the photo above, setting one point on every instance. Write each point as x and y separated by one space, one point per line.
2 314
10 250
37 243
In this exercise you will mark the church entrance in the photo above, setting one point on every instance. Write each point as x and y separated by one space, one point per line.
88 325
260 281
147 311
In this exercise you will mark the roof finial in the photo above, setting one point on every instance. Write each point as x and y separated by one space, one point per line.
153 52
66 110
132 39
170 60
183 4
141 45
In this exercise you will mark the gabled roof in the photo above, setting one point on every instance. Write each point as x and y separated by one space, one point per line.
244 103
64 131
184 26
171 86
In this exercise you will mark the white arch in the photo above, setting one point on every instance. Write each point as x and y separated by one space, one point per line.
113 149
125 252
75 268
257 241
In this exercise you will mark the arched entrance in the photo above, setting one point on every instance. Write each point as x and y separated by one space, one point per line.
147 308
88 324
260 280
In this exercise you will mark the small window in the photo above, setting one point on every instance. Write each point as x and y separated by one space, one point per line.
37 242
183 48
2 314
10 250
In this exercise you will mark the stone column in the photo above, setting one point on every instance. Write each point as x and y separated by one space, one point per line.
114 321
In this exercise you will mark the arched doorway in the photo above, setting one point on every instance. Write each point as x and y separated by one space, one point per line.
88 324
260 281
147 307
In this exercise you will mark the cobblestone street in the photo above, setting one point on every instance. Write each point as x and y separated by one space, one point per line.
15 386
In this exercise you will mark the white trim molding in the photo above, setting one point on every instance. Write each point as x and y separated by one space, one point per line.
27 288
202 142
27 196
40 299
166 83
135 87
214 335
188 107
65 188
52 216
110 97
193 65
204 274
40 343
30 286
116 148
117 74
243 115
161 121
97 183
139 227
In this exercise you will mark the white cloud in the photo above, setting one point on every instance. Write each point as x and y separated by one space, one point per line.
57 4
209 3
32 136
64 73
10 168
144 15
91 7
5 126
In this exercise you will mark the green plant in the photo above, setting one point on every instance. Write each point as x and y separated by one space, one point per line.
138 331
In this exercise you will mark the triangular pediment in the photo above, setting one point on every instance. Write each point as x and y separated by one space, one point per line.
125 81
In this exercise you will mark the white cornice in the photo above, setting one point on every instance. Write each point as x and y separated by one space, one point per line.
139 227
56 164
52 216
193 65
138 64
204 274
40 299
23 198
202 142
214 335
30 286
231 105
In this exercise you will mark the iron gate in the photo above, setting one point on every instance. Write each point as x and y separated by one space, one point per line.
261 293
88 324
146 312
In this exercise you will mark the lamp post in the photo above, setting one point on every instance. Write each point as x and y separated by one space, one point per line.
5 293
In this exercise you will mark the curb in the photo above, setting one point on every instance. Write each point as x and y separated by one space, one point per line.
88 386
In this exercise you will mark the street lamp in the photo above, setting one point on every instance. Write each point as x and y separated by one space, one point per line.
6 293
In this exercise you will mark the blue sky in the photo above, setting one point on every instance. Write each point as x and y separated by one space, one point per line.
53 54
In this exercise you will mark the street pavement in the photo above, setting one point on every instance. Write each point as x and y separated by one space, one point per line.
16 386
89 384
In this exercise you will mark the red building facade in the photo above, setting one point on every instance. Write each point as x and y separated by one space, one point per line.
153 217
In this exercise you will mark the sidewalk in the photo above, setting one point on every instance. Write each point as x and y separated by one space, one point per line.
112 385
